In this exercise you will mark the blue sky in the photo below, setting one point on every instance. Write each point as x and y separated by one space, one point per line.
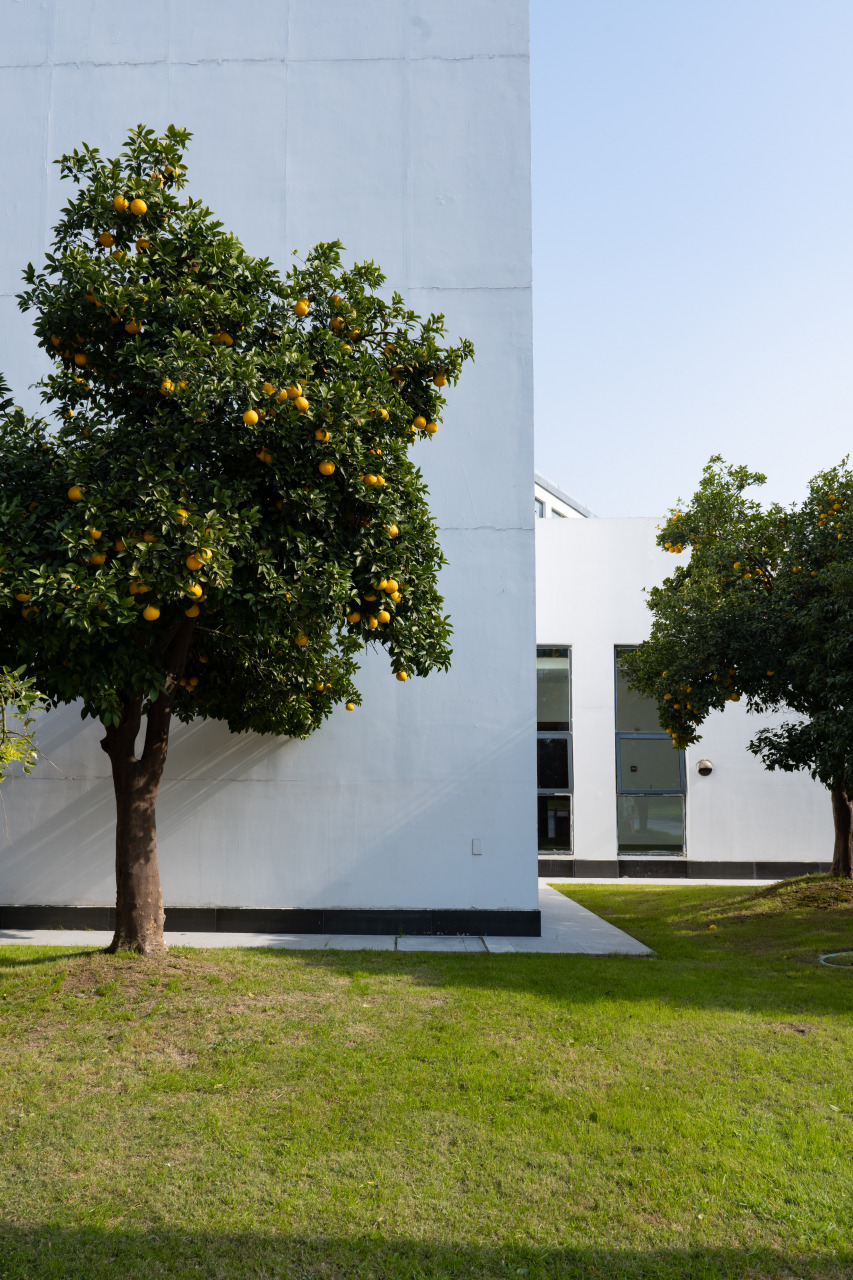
693 243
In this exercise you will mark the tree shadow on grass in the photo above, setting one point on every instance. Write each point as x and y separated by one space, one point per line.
90 1254
10 961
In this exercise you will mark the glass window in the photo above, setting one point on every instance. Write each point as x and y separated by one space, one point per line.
555 823
539 508
648 764
554 747
552 763
553 689
555 512
634 713
650 824
650 778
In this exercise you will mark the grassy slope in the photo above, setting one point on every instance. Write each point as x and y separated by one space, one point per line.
329 1115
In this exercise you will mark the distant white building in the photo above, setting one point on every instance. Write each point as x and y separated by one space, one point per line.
614 798
549 500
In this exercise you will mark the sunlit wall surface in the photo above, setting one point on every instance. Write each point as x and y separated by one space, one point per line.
403 130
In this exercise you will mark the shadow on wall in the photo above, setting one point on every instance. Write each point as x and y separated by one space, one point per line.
133 1255
229 800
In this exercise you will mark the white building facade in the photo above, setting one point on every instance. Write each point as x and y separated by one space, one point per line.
402 130
614 798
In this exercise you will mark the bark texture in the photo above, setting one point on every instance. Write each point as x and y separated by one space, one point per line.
136 780
842 814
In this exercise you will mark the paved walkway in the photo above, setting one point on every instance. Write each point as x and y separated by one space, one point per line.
567 929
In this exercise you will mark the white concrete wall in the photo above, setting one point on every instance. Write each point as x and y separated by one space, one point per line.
590 577
400 127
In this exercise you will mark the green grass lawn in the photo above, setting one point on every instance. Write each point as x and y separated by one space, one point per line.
274 1114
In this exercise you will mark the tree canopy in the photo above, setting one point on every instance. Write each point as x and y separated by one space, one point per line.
230 445
762 611
225 511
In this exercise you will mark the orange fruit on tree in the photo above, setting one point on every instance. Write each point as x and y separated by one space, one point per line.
151 613
142 244
327 468
294 390
350 706
302 405
120 545
206 554
138 207
131 326
392 530
264 455
402 675
431 428
119 204
75 493
392 584
372 622
193 612
301 639
166 386
107 239
181 515
97 559
419 422
384 615
302 307
396 597
24 596
95 534
336 324
193 562
354 617
269 389
322 435
194 590
250 418
440 380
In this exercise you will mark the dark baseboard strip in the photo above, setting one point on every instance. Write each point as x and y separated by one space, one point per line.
438 922
674 869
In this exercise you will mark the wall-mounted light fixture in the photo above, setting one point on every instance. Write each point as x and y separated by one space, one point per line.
704 767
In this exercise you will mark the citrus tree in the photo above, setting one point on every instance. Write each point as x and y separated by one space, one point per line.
19 697
226 511
762 611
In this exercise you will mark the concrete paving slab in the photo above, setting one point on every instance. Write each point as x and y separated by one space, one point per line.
361 942
416 942
567 929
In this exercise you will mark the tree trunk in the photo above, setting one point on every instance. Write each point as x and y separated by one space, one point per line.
842 814
136 780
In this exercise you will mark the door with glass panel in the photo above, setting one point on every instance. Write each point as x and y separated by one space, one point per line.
650 778
554 748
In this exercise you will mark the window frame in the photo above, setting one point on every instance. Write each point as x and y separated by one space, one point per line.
567 734
622 790
660 736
